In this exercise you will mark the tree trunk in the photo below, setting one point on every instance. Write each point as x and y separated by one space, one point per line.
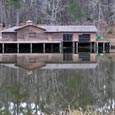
17 17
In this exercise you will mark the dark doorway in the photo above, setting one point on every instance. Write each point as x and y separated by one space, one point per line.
83 47
100 47
56 47
67 47
10 48
52 48
24 48
48 48
37 48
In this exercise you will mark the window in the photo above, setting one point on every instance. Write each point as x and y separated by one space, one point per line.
67 37
84 56
67 57
84 37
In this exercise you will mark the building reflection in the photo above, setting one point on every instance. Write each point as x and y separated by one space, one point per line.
50 60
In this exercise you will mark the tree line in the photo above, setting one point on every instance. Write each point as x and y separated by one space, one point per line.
53 12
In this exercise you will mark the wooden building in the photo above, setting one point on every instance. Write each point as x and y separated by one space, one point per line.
32 38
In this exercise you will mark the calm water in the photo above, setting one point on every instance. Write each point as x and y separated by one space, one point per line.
56 82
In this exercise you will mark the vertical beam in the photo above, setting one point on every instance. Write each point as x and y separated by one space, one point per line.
97 46
103 47
2 47
76 47
73 47
109 46
17 47
30 47
90 47
60 47
43 47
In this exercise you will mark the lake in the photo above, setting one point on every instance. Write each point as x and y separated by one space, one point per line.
57 82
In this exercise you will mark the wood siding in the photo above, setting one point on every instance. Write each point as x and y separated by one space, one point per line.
93 57
93 37
57 36
31 34
75 37
8 58
8 37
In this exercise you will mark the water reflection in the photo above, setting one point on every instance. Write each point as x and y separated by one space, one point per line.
48 60
57 82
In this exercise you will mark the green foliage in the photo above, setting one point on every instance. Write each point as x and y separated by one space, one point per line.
72 7
15 92
12 4
75 11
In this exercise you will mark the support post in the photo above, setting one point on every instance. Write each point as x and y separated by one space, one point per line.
103 47
43 47
97 47
30 47
109 46
3 48
60 47
76 47
17 47
90 47
73 47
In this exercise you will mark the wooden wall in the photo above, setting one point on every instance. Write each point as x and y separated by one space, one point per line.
93 37
31 33
8 37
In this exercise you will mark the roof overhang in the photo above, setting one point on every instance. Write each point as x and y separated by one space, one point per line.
70 66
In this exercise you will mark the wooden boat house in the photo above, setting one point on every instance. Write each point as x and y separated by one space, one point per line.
32 38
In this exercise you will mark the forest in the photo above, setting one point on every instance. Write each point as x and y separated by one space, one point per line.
57 12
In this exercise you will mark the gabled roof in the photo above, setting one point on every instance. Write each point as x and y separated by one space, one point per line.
30 25
15 28
68 28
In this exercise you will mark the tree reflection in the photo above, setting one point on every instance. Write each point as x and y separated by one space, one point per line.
57 90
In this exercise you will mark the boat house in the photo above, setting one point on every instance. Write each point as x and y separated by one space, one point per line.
32 38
